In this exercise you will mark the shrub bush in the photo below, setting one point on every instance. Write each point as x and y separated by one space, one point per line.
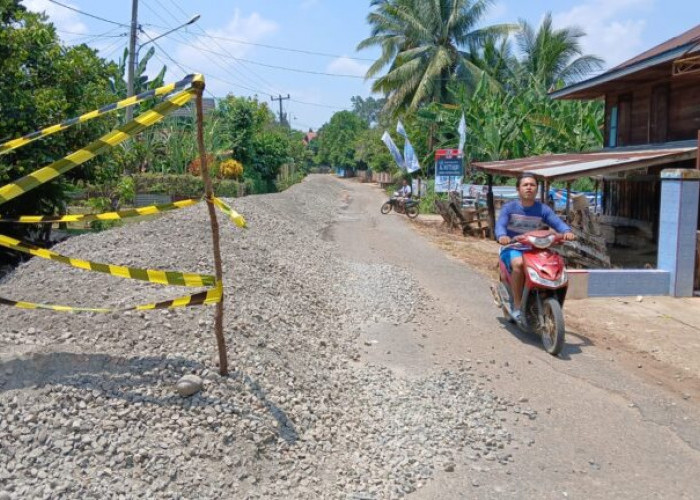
186 186
231 169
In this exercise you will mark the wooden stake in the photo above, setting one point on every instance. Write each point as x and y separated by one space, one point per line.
209 195
697 154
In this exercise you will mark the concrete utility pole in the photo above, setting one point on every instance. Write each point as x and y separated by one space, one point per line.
280 99
132 56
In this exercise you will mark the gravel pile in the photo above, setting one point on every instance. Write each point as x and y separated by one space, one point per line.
89 404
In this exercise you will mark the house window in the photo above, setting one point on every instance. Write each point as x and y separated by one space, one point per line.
612 138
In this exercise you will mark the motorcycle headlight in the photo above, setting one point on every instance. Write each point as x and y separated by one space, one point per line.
545 282
541 242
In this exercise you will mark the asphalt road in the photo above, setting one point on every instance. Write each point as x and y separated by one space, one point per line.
601 431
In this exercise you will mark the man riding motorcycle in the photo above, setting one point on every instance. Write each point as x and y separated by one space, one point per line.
404 193
519 217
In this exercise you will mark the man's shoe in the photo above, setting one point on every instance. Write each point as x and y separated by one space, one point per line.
517 316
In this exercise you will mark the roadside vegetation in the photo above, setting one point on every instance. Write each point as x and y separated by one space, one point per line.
43 82
438 60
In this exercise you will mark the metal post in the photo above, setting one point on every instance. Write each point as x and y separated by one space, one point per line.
697 155
209 195
132 57
568 200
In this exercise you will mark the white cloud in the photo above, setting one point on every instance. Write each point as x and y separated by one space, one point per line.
64 19
614 28
347 66
203 54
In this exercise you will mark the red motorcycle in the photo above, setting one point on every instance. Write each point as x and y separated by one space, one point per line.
546 282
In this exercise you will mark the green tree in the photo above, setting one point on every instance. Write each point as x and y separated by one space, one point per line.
41 84
424 46
371 153
554 57
336 139
368 109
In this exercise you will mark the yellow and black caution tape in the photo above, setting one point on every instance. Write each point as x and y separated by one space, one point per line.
150 275
123 214
124 103
234 216
49 172
211 296
10 191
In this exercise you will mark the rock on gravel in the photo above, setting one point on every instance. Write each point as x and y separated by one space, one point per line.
87 406
188 385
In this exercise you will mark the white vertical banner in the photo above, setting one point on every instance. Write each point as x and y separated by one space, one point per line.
462 129
395 153
409 154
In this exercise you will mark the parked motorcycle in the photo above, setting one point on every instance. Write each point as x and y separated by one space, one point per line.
400 205
544 289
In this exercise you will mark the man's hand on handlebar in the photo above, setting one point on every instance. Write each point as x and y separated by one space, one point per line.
569 236
504 240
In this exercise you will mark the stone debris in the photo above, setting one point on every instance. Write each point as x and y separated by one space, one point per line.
92 406
188 385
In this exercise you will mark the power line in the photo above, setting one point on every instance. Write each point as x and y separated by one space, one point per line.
89 15
238 77
111 49
319 105
255 79
284 49
87 35
284 68
264 82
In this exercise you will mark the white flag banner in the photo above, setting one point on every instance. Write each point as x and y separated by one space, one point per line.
393 150
462 129
409 154
410 157
400 130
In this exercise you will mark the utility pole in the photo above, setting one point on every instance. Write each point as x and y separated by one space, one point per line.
132 56
280 99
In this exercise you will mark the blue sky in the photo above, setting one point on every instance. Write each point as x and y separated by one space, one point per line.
226 43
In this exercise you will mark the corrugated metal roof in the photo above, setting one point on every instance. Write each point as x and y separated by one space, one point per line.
571 166
690 36
659 57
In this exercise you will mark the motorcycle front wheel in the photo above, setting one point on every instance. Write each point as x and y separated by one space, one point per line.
412 211
386 208
552 330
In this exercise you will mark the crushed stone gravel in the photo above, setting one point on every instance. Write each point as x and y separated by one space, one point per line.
88 402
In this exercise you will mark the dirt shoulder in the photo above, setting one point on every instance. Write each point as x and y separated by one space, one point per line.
658 337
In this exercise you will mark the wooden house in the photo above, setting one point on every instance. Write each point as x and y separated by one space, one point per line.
652 122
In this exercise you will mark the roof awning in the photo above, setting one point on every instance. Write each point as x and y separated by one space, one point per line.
569 166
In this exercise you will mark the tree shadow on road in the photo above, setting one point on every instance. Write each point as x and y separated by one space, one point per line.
116 377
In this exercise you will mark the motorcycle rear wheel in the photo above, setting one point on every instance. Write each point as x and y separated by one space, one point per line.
553 330
386 208
412 211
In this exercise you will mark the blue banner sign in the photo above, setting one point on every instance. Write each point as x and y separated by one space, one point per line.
451 167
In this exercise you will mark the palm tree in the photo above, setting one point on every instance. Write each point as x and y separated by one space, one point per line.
554 57
422 43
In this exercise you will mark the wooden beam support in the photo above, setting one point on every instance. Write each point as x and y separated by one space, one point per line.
491 206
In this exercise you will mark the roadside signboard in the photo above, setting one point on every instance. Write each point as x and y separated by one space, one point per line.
449 170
